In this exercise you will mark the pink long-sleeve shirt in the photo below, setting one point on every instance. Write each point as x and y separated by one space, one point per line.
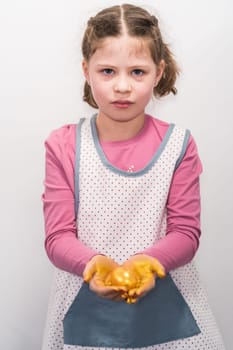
62 244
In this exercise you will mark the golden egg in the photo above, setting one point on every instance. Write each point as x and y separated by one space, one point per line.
123 277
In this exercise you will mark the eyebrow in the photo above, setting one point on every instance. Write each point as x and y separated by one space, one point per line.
131 67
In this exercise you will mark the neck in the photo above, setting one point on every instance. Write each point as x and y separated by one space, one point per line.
114 130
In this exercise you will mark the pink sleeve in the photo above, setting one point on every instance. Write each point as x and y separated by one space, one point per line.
62 245
179 245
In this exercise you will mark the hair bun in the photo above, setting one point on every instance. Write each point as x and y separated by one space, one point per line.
90 21
154 20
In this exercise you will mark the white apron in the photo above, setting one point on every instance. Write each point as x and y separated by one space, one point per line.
122 213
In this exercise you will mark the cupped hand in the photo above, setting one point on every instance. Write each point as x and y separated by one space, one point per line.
146 269
97 273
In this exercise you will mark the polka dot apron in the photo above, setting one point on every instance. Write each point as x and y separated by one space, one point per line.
121 213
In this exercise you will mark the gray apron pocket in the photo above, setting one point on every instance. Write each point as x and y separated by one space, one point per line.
161 316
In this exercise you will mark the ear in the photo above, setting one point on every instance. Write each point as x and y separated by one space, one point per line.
160 71
85 70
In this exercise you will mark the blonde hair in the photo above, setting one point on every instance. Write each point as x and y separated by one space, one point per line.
138 23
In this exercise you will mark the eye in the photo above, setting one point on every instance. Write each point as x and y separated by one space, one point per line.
107 71
138 72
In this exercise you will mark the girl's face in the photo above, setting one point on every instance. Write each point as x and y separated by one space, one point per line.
122 76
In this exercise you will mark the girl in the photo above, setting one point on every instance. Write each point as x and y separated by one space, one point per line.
122 189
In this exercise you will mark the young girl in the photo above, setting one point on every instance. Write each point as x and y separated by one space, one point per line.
122 189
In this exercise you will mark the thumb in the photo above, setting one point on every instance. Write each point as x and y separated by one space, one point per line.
158 268
89 271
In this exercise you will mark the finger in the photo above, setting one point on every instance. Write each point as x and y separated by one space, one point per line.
121 289
147 285
111 295
132 300
118 298
133 292
98 286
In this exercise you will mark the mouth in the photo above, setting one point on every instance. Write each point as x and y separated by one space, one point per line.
122 103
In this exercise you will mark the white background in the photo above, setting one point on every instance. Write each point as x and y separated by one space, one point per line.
40 90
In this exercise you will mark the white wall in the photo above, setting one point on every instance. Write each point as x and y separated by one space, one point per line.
40 87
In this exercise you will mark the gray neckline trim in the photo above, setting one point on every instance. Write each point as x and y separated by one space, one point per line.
116 170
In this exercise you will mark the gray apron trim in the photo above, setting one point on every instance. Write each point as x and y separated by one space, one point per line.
184 148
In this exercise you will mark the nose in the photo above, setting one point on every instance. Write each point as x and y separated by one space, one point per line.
122 84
